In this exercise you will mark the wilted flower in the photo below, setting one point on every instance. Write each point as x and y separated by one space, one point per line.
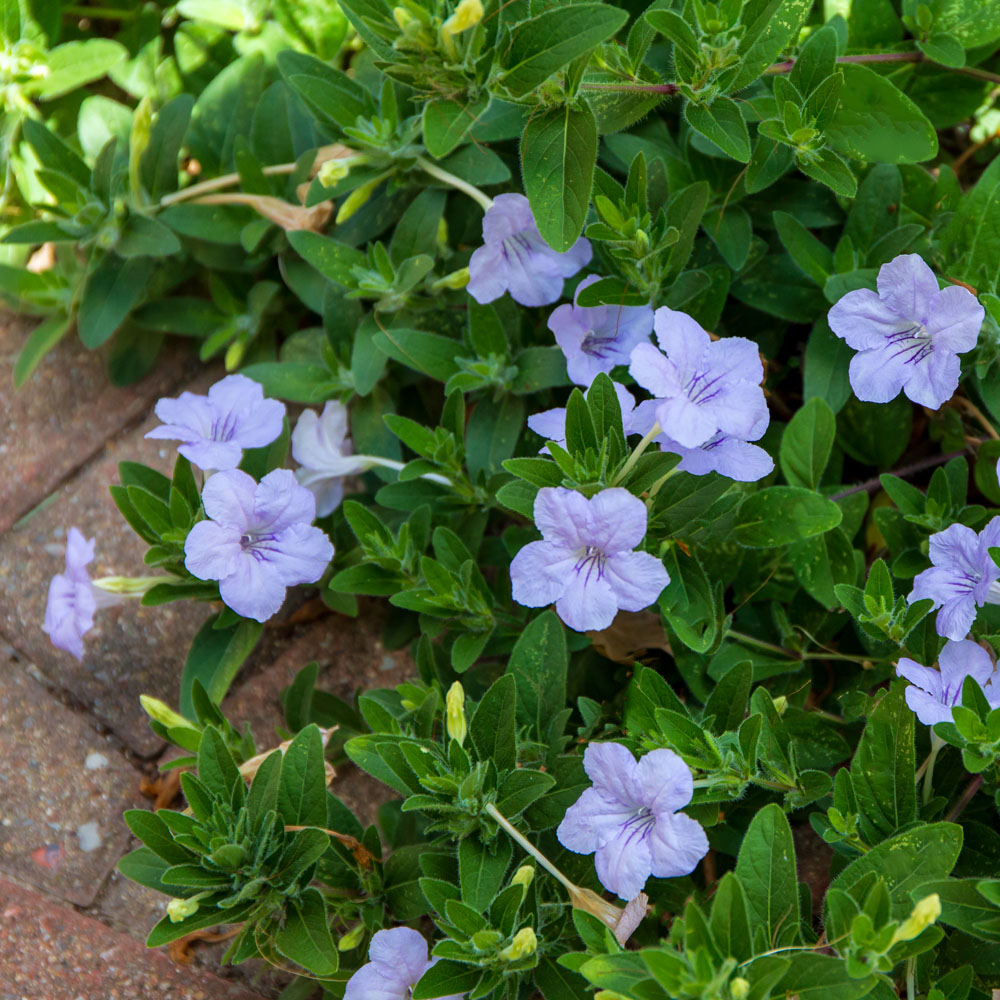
931 694
321 446
214 429
585 562
398 960
703 387
963 576
597 338
629 818
551 424
729 456
259 541
181 909
73 599
909 335
515 258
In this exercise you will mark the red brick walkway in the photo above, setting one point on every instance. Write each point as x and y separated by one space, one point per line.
74 742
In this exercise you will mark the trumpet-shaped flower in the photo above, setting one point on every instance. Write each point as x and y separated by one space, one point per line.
702 387
585 562
515 258
629 821
214 429
321 446
909 335
551 424
932 694
597 338
259 541
963 576
398 960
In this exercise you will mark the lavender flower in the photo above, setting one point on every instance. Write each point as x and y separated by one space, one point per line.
932 694
729 456
321 446
909 335
73 599
595 339
216 428
551 424
398 960
703 387
585 561
259 540
515 258
629 818
963 576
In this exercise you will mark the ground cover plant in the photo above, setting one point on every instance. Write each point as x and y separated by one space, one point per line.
645 361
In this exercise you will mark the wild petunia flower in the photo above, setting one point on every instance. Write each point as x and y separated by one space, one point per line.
908 336
585 562
73 599
214 429
703 387
595 339
321 446
551 424
259 541
963 576
629 818
932 694
729 456
515 258
398 960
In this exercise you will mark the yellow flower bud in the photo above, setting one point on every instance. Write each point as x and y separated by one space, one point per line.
523 876
352 938
739 988
333 171
164 714
455 704
455 280
180 909
358 197
924 914
234 354
466 15
402 17
524 944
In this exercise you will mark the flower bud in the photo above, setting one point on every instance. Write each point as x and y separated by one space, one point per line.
402 17
780 704
924 914
181 909
358 197
455 280
163 714
334 170
466 15
524 944
234 354
442 232
523 876
352 938
739 988
455 712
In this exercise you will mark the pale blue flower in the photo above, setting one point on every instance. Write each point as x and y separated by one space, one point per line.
597 338
515 258
214 429
909 335
325 453
259 541
629 820
585 563
932 694
551 424
398 960
702 387
963 576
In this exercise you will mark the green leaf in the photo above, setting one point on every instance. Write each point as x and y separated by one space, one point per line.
542 45
972 237
332 259
145 236
428 353
779 515
722 123
964 905
447 120
877 121
728 700
217 770
305 937
159 165
766 870
481 870
559 983
825 369
813 257
445 978
822 977
770 26
207 916
730 920
558 154
807 443
42 339
215 656
73 64
828 168
295 381
538 664
823 562
112 290
492 727
302 791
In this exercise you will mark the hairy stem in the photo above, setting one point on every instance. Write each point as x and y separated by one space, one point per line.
484 201
629 465
967 796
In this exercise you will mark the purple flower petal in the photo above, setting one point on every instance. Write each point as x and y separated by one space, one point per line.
79 554
592 821
957 319
962 659
252 591
69 613
400 948
624 864
212 550
229 498
926 707
618 520
676 843
637 578
877 376
863 320
587 603
560 514
665 781
680 337
280 501
298 554
538 573
908 286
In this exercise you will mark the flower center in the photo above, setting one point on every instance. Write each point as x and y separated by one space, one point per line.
257 544
591 561
518 246
702 386
913 345
639 824
224 427
598 345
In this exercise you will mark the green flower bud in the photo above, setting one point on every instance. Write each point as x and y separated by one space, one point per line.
523 876
739 988
457 725
166 716
524 944
352 938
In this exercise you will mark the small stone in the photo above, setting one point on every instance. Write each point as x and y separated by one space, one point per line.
95 761
89 836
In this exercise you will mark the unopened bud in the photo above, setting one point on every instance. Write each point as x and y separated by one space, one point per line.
780 704
352 938
523 876
924 914
457 725
181 909
402 17
164 714
524 944
333 171
455 280
442 233
408 704
466 15
358 197
739 988
234 354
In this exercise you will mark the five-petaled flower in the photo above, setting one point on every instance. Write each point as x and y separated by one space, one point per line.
398 960
963 576
551 424
214 429
585 561
515 258
259 541
908 336
931 694
597 338
325 453
629 818
702 387
73 599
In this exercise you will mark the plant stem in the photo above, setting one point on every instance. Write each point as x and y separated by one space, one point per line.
907 470
751 640
629 465
928 766
528 847
967 796
103 13
911 978
483 200
391 463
